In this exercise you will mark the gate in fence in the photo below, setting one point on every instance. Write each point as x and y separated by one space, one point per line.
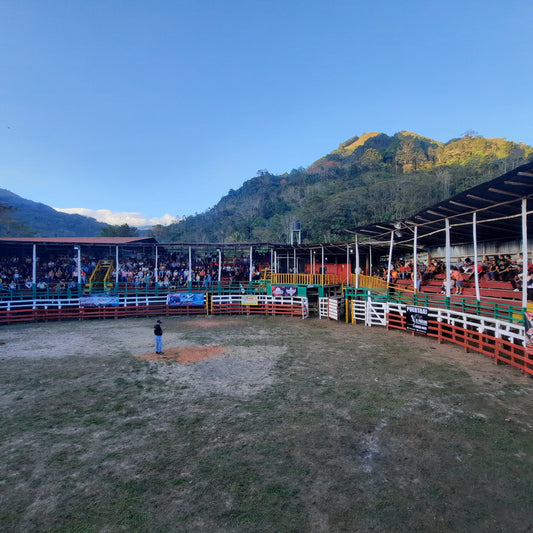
331 307
370 312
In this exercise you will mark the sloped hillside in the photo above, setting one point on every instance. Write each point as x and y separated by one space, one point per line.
366 179
24 218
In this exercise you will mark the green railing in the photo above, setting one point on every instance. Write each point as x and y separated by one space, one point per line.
508 312
75 290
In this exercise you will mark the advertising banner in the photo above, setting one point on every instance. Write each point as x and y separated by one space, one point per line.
278 290
186 298
417 319
249 300
99 300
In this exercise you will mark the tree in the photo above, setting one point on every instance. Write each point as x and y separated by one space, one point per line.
9 227
371 159
123 230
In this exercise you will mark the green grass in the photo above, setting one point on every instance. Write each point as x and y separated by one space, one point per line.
355 429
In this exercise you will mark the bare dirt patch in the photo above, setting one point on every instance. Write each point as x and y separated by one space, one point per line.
185 355
210 322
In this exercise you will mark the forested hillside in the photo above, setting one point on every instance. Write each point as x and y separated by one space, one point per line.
366 179
23 218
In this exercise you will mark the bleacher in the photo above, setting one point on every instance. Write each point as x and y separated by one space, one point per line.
489 290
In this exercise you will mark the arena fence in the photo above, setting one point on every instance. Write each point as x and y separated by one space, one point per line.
149 305
502 340
331 307
508 312
261 304
494 329
74 290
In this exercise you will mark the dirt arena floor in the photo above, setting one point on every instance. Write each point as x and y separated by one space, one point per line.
258 423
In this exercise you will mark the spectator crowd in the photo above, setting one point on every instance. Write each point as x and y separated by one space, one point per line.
172 271
496 268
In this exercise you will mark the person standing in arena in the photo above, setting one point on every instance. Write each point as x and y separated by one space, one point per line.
158 334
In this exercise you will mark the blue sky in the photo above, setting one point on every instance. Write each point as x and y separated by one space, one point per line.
142 109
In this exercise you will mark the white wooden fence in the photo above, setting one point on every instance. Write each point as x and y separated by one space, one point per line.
375 314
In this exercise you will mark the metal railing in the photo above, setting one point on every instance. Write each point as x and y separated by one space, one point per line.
368 282
71 290
512 313
306 279
502 340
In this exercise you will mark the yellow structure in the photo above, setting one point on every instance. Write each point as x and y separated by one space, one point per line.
103 273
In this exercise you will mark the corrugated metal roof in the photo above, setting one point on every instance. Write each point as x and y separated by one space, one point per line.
78 240
497 204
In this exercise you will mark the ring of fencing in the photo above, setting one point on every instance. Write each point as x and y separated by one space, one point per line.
501 336
140 306
499 339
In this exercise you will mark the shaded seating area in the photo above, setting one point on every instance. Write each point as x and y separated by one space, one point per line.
488 290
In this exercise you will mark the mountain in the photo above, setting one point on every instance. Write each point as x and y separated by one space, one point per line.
368 178
24 218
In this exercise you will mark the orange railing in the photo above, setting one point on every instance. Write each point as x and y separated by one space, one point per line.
500 349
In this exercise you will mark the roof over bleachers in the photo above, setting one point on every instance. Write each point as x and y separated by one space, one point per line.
497 204
90 241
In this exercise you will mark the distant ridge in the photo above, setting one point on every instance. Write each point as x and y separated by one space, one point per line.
368 178
27 218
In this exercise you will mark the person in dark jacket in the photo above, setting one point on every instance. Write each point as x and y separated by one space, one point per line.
158 334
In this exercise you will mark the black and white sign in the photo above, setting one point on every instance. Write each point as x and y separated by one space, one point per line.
417 319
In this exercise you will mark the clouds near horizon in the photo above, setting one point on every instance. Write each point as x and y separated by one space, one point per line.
117 218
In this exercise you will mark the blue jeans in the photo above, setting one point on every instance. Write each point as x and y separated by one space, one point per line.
158 343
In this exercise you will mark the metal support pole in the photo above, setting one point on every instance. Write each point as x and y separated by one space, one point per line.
448 261
117 270
250 265
389 265
525 261
79 263
476 261
357 262
219 265
34 266
347 264
415 260
156 268
190 268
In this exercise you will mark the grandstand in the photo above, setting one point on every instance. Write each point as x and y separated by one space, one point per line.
79 278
